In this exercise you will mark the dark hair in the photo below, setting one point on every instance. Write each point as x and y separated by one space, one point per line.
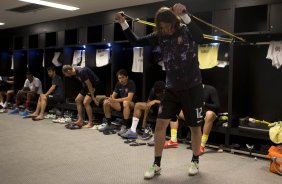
51 68
166 15
122 72
159 87
29 73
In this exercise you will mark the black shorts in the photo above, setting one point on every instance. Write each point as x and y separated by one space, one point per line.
54 99
189 101
84 91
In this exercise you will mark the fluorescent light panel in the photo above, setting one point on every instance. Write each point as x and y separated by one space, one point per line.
50 4
2 23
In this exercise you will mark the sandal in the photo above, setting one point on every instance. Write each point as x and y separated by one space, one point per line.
74 127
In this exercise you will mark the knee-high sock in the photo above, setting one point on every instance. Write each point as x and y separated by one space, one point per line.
205 138
173 133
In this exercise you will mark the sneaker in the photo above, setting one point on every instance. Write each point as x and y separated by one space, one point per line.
95 127
24 113
106 127
122 130
102 127
108 130
117 122
202 150
151 142
129 134
152 171
147 134
194 169
15 111
171 144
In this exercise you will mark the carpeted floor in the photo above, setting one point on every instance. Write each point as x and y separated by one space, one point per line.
47 153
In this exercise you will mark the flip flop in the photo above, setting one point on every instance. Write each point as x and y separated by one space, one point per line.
75 127
35 119
69 125
29 116
137 144
129 141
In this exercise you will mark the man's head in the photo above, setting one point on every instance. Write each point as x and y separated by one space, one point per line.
29 76
166 21
122 76
159 87
68 70
51 71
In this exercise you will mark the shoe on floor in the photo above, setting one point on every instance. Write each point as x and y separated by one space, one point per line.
147 134
170 144
24 113
193 169
202 150
102 127
151 142
129 134
15 111
152 171
122 130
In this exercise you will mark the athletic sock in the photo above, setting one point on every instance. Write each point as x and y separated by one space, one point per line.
158 161
205 138
173 132
195 158
109 121
134 124
125 122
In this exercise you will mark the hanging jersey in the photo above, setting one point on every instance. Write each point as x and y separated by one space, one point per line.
137 65
77 56
102 57
275 53
83 59
207 55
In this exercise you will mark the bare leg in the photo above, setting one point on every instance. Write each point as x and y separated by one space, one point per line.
86 102
160 131
78 101
209 119
196 134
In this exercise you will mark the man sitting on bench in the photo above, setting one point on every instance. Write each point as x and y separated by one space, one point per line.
53 95
125 90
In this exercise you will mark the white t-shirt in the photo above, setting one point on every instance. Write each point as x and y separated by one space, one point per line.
32 85
275 53
137 65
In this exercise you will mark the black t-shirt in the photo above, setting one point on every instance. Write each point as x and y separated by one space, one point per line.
211 98
123 91
179 54
154 96
83 74
58 92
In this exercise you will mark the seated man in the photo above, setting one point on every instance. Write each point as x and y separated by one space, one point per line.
155 96
7 91
210 109
54 94
31 90
125 90
90 83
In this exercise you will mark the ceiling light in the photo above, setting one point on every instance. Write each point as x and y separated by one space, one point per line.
2 23
50 4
